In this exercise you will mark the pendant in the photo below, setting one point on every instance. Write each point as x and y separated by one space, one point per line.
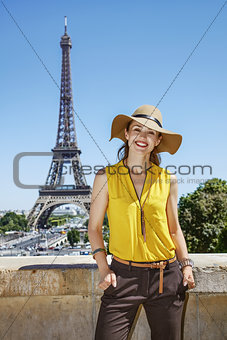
143 225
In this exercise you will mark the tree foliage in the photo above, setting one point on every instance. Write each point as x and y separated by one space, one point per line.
56 221
73 236
222 241
105 221
203 217
106 232
86 239
13 221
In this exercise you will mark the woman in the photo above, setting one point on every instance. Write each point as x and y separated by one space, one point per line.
146 240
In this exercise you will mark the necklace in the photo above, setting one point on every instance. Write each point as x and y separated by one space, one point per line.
142 214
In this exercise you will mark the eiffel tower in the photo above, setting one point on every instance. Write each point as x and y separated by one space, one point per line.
54 193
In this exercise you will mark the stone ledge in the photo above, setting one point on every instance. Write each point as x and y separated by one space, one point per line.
14 263
201 261
67 275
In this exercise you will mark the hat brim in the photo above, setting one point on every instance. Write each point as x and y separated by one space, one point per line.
170 142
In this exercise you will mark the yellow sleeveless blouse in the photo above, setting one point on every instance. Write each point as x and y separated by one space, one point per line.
124 215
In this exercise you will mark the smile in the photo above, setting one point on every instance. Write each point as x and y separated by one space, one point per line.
141 144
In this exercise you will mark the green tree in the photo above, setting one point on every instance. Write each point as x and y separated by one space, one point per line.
76 235
54 221
73 236
203 216
70 238
222 241
13 221
106 232
105 221
86 239
106 237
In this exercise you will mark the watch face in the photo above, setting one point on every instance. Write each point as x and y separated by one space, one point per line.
191 262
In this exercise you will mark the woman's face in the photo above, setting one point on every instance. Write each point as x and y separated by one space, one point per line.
142 139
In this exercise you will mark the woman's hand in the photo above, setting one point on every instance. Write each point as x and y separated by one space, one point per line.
107 278
188 277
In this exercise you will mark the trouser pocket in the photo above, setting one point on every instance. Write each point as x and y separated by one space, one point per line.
127 281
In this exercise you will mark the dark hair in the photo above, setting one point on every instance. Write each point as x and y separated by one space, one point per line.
124 149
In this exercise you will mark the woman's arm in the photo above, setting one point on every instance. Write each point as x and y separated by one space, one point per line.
99 202
176 232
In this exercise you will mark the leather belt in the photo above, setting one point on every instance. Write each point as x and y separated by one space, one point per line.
161 265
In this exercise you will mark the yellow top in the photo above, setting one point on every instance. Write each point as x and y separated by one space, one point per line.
124 215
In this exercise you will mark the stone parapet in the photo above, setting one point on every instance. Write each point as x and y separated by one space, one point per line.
58 298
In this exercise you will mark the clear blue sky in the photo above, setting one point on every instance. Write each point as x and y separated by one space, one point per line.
124 54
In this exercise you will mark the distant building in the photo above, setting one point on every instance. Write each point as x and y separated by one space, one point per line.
68 210
16 211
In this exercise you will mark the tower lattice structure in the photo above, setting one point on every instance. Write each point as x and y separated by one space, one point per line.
54 193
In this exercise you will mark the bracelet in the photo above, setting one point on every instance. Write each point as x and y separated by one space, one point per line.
96 251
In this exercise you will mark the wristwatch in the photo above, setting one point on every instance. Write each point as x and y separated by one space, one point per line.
186 262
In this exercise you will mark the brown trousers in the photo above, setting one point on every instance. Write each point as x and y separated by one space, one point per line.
136 286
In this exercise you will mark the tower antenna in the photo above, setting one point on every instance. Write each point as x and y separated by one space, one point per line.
65 25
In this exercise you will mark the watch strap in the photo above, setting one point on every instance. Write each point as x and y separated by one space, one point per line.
186 262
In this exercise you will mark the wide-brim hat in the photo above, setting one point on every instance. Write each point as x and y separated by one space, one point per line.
151 117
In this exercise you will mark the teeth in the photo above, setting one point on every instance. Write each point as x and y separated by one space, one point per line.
141 144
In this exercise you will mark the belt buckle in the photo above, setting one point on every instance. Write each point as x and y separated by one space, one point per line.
153 265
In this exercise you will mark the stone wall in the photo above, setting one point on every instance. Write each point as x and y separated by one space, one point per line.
57 298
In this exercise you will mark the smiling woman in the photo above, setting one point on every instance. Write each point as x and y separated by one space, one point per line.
146 240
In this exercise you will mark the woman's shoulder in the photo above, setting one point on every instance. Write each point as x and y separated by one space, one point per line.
100 188
102 174
164 172
172 178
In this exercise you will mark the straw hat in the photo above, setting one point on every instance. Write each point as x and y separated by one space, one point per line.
151 117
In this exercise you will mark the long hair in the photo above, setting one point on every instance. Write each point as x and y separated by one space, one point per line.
124 150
